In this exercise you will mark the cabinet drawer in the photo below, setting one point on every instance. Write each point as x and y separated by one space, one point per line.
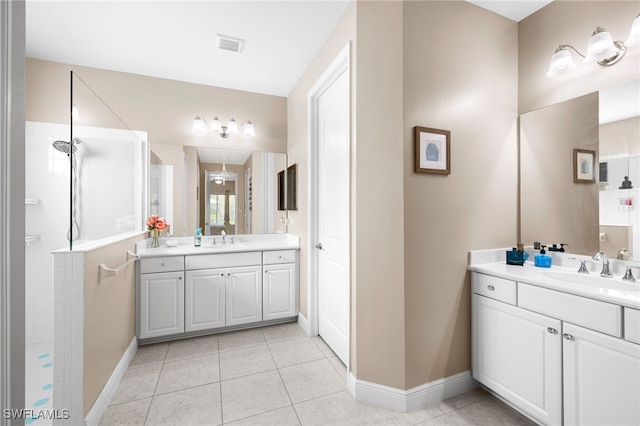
632 325
278 256
589 313
494 287
223 260
161 264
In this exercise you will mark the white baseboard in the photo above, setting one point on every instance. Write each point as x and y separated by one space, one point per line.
412 399
100 406
304 324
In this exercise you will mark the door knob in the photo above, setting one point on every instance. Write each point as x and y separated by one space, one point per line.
319 246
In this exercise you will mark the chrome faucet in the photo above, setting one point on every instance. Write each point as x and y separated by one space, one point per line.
605 264
224 237
628 276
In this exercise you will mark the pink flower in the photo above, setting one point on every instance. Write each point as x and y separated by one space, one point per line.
155 222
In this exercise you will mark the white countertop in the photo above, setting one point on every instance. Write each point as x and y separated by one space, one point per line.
242 243
612 290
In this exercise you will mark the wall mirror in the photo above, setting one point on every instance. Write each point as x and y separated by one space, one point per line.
590 217
216 190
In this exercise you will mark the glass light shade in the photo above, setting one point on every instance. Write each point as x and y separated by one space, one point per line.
634 36
600 47
198 125
248 129
561 63
218 180
215 125
232 127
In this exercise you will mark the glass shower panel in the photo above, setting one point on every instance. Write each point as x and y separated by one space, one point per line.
108 172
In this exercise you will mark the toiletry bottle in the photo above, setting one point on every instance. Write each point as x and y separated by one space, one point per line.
543 260
197 240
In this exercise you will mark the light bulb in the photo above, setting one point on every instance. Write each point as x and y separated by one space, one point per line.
232 127
198 125
600 46
248 129
561 63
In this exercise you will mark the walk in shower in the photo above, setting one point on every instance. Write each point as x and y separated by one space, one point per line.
85 184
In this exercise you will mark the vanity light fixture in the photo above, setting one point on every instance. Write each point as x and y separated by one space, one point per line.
601 49
200 125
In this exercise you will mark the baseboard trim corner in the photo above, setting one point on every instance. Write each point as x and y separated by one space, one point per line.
412 399
303 322
102 402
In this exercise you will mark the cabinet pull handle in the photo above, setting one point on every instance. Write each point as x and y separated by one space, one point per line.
490 287
568 336
552 330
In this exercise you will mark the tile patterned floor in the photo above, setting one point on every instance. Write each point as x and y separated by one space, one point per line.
268 376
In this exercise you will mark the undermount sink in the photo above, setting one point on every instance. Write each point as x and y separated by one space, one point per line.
591 280
221 246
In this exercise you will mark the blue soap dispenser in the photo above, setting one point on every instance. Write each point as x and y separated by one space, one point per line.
197 240
543 260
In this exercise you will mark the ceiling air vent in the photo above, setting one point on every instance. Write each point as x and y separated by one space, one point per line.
229 43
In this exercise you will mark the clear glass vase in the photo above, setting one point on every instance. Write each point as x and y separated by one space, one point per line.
155 242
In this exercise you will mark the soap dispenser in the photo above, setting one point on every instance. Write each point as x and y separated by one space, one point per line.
197 240
543 260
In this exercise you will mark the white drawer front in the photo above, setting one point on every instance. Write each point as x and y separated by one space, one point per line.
632 325
223 260
494 287
161 264
278 256
589 313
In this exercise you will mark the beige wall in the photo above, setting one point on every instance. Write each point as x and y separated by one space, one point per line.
620 137
163 108
460 74
109 315
554 209
572 22
378 237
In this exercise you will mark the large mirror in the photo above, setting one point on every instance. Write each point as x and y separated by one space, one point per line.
580 171
216 190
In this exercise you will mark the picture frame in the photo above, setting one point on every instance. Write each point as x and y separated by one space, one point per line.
281 191
432 150
292 175
584 163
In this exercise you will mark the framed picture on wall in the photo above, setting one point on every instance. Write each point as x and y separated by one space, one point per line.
584 162
432 151
292 174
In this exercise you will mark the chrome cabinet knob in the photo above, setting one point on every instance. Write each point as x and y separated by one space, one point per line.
491 288
552 330
568 336
319 246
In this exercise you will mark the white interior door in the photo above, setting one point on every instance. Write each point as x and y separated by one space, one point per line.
332 207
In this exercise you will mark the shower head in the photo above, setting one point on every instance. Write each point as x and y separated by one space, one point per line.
66 147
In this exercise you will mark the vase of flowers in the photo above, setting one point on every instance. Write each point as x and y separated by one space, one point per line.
155 224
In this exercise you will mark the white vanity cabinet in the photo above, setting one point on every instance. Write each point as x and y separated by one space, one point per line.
193 294
516 353
205 299
279 288
558 357
601 378
244 295
161 297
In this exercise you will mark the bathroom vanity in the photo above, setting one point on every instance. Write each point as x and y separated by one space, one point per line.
562 347
186 291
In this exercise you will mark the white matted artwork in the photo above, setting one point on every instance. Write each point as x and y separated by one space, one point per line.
432 150
583 166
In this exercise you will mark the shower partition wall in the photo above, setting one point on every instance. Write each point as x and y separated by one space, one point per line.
86 186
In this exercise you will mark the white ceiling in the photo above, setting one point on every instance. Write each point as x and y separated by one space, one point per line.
516 10
176 39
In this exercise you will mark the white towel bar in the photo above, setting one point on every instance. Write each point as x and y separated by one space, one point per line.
104 272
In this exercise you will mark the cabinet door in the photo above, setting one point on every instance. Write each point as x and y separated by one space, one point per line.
517 354
279 291
243 295
204 299
161 304
601 378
